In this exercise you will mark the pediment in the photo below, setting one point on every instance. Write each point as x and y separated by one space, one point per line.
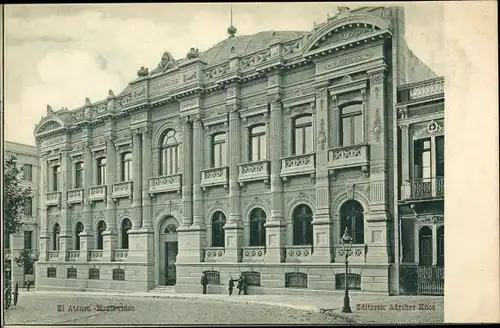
431 129
344 33
49 125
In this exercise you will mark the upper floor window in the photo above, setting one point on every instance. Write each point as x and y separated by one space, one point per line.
27 172
126 166
219 150
440 156
28 239
257 143
28 207
169 160
303 135
351 127
79 175
422 159
101 171
56 175
257 227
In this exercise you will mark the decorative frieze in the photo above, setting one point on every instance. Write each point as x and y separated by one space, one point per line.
429 219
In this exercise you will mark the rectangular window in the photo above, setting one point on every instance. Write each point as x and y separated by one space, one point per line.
28 240
56 172
51 272
101 171
219 150
258 150
72 273
28 207
118 274
94 273
346 131
27 172
351 125
422 159
79 175
440 156
127 167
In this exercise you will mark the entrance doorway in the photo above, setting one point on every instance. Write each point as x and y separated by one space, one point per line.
168 252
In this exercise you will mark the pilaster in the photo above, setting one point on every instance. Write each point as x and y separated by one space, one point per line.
44 237
136 178
405 156
198 218
187 173
110 235
147 170
86 236
65 236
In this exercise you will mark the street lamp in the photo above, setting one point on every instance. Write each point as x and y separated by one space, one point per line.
346 242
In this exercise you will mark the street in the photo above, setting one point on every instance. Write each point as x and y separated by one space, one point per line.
66 309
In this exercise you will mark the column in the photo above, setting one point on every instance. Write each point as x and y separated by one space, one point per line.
434 245
136 178
405 160
187 174
198 218
433 166
44 236
275 225
335 123
110 235
147 170
233 228
322 226
87 236
65 183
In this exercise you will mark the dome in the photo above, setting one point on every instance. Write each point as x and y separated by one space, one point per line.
245 44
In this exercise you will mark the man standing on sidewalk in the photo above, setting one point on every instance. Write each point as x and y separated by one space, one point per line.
204 282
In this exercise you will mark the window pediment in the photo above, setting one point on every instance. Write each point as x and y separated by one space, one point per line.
49 125
344 33
433 128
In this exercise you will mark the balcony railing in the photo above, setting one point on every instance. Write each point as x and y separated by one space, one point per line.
75 196
214 254
53 198
95 255
120 254
298 253
349 156
358 253
74 255
433 88
53 255
165 184
122 190
298 165
420 189
253 172
215 177
97 193
254 253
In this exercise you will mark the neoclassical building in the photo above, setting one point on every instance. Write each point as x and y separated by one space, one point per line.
250 157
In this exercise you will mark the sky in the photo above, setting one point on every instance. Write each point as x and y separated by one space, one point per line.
61 54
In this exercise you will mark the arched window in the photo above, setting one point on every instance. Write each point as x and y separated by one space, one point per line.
101 227
302 225
218 222
351 128
257 229
79 175
126 226
219 150
303 135
78 230
257 150
56 175
126 166
101 171
351 216
425 246
169 154
55 237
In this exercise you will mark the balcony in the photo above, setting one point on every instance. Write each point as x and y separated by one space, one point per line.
423 189
254 253
74 255
348 157
95 255
53 256
75 196
214 254
172 183
122 190
298 253
358 253
120 255
298 165
215 177
53 199
97 193
254 171
424 90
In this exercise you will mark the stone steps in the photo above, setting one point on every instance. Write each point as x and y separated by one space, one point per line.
164 289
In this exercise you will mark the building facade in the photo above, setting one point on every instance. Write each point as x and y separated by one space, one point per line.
252 157
28 235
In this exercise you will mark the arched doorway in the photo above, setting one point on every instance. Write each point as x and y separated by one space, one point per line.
168 250
440 246
425 246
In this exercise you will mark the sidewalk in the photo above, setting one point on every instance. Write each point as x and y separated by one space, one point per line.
367 308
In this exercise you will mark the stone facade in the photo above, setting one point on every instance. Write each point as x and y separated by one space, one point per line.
250 157
28 235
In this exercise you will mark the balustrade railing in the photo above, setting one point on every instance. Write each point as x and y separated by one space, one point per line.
73 255
298 253
214 254
357 253
97 193
165 184
95 255
120 254
298 165
423 189
427 89
253 172
254 253
349 156
53 198
75 196
122 190
215 176
53 255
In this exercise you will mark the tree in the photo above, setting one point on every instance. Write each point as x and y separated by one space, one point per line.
25 260
16 196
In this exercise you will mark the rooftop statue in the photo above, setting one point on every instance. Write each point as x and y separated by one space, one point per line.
166 63
49 110
142 72
193 53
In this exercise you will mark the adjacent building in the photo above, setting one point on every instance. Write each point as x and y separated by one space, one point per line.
28 235
251 157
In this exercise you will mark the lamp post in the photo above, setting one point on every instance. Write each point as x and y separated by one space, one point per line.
346 242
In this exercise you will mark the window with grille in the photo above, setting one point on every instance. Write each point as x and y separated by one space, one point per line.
28 207
51 273
118 274
252 278
296 280
72 273
27 172
353 281
94 273
213 277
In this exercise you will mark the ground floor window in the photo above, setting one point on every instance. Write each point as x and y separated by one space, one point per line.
118 274
252 278
296 280
72 273
94 273
213 277
51 272
353 281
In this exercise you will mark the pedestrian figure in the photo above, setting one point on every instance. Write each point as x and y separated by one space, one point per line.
204 282
231 286
241 279
244 285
